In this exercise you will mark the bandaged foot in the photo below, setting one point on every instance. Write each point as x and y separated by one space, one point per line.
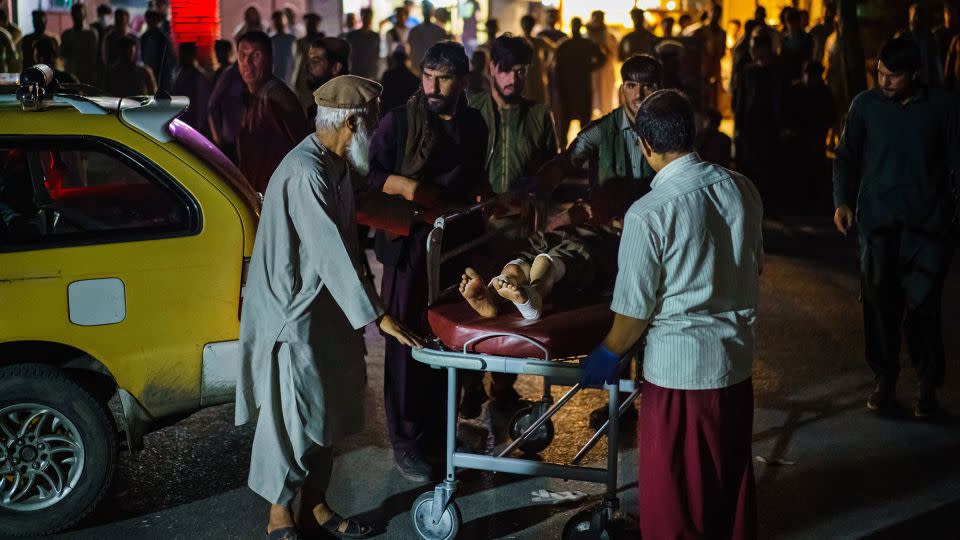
525 297
477 294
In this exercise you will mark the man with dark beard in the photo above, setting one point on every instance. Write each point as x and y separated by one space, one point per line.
326 58
430 151
273 120
521 134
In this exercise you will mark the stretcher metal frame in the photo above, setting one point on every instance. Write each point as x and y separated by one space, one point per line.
435 516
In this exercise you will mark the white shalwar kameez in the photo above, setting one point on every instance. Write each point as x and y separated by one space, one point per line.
301 350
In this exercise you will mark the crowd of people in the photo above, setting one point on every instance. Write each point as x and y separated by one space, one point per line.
784 87
451 123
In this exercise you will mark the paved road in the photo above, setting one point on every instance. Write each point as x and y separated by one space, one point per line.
844 472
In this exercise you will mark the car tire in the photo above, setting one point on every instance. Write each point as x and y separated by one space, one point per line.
69 423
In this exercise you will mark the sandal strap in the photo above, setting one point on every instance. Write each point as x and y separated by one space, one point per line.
333 523
285 533
355 527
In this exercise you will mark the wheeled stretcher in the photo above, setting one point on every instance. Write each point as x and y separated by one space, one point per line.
550 347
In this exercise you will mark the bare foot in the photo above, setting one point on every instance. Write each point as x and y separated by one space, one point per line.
475 291
511 291
280 518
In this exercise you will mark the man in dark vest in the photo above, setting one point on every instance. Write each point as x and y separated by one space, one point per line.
617 166
430 151
609 145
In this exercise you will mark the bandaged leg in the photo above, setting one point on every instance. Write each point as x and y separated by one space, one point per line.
528 297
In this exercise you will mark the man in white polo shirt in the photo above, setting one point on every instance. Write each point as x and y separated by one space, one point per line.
689 265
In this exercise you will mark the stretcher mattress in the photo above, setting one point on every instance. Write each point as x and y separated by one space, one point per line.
567 331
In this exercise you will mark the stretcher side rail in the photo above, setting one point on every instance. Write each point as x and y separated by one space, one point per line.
559 372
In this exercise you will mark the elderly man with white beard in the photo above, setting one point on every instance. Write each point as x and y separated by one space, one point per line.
301 343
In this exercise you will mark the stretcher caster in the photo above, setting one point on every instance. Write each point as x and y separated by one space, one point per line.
587 525
431 527
523 419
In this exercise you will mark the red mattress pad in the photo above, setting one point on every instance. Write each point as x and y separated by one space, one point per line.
567 331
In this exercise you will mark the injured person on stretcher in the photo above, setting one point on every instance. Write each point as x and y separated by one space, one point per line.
568 260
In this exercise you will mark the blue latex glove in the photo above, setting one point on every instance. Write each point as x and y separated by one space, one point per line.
598 367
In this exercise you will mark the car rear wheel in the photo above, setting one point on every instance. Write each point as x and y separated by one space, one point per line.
58 450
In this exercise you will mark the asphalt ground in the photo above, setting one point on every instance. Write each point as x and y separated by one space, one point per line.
829 468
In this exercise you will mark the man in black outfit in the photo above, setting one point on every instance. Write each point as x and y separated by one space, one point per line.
901 143
430 151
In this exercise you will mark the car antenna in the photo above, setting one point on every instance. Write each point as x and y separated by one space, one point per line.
162 94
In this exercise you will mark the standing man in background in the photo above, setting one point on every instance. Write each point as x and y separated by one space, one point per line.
273 120
39 34
283 48
364 47
78 47
640 41
575 60
536 87
425 34
901 145
194 82
110 49
156 49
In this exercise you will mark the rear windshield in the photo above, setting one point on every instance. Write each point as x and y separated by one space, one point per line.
201 147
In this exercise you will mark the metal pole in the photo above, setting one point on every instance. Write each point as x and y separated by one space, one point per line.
452 399
603 430
613 441
540 421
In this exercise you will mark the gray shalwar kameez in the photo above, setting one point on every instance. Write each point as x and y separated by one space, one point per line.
302 360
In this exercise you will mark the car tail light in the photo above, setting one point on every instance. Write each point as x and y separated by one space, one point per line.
244 270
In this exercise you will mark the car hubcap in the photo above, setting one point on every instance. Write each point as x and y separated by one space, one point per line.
41 457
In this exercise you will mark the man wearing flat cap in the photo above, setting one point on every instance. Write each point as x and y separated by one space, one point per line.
302 367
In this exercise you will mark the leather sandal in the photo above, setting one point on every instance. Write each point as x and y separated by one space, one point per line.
285 533
355 528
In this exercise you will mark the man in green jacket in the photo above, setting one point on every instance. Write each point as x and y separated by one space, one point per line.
522 139
522 136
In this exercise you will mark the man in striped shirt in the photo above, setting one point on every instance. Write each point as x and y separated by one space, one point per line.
689 264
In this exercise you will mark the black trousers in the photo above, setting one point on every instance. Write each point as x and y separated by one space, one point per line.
902 273
413 392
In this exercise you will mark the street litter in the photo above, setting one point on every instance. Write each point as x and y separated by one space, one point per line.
775 461
556 497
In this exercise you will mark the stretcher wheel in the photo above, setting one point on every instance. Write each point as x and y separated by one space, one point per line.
422 515
524 418
587 525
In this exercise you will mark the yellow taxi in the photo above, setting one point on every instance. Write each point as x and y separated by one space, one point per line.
123 241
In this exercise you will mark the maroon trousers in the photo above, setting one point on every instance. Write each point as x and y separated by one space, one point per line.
695 464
